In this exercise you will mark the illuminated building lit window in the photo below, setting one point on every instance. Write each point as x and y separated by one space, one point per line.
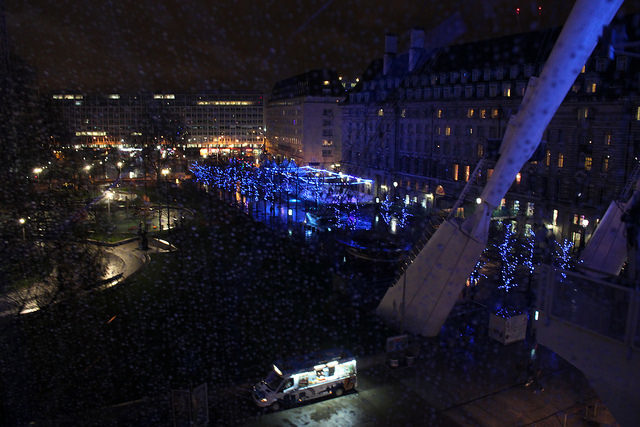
547 158
638 113
467 172
560 160
584 68
583 113
518 178
605 164
483 114
470 112
593 88
439 113
607 139
588 163
495 113
555 217
455 172
530 208
447 131
381 112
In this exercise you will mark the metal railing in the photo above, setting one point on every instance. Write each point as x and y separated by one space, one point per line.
607 309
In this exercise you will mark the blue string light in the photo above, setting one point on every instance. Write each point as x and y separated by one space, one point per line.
509 263
562 253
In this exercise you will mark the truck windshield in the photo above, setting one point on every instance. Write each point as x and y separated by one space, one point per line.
273 380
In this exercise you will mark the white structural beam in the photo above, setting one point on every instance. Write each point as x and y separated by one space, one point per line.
423 296
606 251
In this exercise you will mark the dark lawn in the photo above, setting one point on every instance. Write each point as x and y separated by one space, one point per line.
234 297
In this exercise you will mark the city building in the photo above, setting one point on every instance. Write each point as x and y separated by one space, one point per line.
418 124
304 119
224 122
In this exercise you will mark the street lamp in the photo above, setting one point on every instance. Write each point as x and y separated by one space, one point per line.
165 172
109 197
22 221
119 165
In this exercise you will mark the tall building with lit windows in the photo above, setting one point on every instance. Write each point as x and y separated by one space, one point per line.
419 122
225 121
303 119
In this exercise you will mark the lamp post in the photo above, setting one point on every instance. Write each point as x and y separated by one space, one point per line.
109 197
165 172
22 221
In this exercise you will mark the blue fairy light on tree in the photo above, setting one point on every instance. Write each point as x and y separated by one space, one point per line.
562 256
508 260
385 209
526 258
477 274
403 220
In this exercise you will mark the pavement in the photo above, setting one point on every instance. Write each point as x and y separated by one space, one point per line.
457 379
122 261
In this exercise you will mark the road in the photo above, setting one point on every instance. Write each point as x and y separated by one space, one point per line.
452 382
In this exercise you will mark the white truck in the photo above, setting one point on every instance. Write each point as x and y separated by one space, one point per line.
305 378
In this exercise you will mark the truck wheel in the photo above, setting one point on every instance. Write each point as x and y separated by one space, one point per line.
339 391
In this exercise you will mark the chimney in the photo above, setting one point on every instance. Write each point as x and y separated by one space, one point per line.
390 50
416 47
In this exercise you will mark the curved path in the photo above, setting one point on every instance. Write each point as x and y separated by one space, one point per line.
123 260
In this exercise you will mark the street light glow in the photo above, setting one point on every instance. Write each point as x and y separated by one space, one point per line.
165 172
22 220
37 170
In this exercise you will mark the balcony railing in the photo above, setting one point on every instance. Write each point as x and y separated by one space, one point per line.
607 309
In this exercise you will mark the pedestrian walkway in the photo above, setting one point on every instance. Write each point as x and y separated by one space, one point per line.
459 379
122 261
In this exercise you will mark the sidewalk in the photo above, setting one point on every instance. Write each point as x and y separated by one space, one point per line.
457 379
122 261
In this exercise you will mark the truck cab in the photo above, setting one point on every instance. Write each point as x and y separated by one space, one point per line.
305 378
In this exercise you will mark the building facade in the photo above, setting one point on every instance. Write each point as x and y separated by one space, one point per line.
226 121
419 123
304 119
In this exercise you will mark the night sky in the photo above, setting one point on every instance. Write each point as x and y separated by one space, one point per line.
203 44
